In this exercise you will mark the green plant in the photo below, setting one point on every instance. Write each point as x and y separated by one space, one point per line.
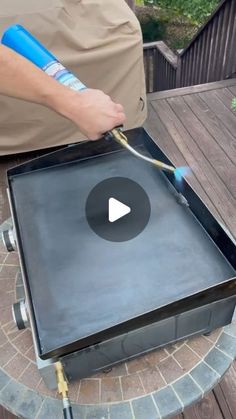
153 29
234 104
195 10
174 21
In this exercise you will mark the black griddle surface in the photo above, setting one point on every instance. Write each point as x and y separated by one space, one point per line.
81 284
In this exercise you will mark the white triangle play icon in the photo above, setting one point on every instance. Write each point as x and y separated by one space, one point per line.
117 210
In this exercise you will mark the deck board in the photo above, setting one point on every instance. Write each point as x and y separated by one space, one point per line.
215 127
232 89
210 149
228 388
210 182
207 408
181 91
221 400
226 96
201 125
221 111
4 414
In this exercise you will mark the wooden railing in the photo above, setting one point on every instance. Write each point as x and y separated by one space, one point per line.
160 65
210 56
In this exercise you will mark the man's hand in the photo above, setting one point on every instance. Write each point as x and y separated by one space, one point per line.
92 110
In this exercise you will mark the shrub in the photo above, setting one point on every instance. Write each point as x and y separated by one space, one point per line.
196 10
153 29
234 104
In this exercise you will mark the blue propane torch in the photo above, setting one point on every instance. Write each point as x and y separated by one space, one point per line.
21 41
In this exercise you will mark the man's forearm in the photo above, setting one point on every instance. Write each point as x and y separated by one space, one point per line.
91 110
21 79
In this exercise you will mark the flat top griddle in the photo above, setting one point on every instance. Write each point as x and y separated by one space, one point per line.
82 285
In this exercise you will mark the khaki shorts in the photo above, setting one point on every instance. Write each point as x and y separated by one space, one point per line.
100 41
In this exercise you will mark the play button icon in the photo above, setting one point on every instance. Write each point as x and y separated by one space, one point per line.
117 209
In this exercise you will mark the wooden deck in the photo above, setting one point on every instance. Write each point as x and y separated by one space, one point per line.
196 127
6 415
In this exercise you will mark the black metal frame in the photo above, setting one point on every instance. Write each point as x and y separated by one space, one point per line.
226 244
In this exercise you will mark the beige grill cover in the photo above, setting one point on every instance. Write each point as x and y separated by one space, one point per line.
98 40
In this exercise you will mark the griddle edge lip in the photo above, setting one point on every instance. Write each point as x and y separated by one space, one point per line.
216 231
207 296
28 295
75 152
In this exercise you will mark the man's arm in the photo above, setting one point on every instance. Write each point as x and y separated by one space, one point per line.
92 110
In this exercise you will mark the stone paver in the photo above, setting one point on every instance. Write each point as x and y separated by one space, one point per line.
111 390
138 364
30 377
151 380
97 412
200 345
50 409
205 376
89 391
7 353
132 387
157 383
121 411
227 344
218 361
23 401
231 329
144 408
4 379
186 358
16 365
167 402
187 390
170 369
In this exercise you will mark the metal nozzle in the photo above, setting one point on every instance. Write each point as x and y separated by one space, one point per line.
63 390
118 135
61 382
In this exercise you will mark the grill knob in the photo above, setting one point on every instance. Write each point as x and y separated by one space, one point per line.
20 316
9 240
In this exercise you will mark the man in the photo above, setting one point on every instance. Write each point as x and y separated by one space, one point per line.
100 41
